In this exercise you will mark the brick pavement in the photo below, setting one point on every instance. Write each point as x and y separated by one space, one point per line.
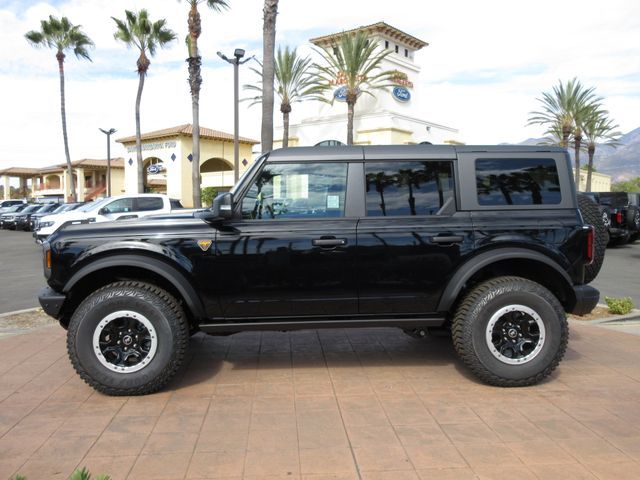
357 404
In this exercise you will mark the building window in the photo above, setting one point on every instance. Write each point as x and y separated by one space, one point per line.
386 44
408 188
517 181
335 51
406 52
397 49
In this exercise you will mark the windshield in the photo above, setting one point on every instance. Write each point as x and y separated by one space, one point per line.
17 208
248 173
93 205
32 208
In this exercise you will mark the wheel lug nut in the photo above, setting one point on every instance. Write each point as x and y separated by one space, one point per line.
119 342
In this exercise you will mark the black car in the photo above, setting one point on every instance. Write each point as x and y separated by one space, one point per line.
23 219
7 218
59 208
485 242
627 210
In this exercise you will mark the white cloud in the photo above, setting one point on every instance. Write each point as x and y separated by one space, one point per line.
486 64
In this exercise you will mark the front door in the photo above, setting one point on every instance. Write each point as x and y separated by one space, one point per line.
292 252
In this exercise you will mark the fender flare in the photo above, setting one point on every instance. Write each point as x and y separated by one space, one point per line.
174 276
475 264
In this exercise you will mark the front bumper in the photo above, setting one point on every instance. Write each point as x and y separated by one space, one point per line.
586 299
51 301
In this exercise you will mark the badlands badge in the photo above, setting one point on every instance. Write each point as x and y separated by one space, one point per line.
204 245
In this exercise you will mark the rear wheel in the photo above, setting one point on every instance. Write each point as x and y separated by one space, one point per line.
591 215
510 332
128 338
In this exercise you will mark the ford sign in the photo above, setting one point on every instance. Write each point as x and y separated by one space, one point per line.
155 168
401 94
340 93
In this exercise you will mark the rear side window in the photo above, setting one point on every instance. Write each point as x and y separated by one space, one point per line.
146 204
122 205
517 181
407 188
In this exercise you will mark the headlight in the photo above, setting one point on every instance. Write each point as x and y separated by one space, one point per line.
45 224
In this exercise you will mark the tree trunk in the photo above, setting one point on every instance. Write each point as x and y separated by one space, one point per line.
566 131
195 80
591 150
350 106
139 165
270 12
285 109
577 140
60 58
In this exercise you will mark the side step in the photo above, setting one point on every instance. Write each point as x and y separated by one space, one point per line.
312 324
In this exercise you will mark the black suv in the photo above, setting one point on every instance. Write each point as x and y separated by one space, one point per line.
486 241
627 211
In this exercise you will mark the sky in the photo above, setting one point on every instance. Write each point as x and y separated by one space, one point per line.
485 66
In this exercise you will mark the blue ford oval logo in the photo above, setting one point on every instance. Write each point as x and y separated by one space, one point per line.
155 168
401 94
340 93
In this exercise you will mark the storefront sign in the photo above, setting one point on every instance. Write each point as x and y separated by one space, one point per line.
340 93
153 146
401 94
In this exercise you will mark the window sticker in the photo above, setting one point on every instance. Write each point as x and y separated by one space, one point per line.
333 201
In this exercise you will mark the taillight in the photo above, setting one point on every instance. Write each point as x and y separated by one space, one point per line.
589 253
619 218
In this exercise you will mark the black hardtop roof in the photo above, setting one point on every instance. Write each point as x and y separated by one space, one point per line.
385 152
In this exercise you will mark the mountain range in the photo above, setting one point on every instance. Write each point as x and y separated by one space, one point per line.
621 162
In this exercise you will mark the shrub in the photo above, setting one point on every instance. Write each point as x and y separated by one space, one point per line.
619 306
207 195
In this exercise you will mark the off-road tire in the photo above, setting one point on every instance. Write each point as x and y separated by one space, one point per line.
633 220
472 317
591 215
155 304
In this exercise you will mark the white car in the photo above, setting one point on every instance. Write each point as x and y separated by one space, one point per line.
109 209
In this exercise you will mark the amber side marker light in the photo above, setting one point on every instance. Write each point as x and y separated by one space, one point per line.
47 257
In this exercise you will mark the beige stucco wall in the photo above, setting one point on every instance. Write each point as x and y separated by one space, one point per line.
599 182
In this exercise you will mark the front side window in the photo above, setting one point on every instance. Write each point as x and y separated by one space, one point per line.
408 188
517 181
122 205
300 190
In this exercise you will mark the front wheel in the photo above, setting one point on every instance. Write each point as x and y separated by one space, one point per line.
128 338
510 332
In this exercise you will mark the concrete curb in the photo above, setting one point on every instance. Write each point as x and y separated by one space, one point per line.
629 317
16 312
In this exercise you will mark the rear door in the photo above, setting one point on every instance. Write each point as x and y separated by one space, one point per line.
412 237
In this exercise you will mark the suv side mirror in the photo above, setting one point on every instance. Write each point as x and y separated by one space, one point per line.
223 205
102 211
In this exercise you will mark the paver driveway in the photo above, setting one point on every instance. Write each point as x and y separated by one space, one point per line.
368 404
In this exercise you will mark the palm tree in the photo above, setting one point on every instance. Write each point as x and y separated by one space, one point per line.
294 83
270 12
195 80
137 30
61 35
354 61
562 112
598 128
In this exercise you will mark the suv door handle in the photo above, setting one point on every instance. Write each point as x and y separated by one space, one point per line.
329 242
447 239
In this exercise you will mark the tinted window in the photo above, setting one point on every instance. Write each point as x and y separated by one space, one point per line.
517 181
119 206
297 191
146 204
408 188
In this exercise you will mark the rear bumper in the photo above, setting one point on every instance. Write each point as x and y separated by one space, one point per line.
51 301
586 299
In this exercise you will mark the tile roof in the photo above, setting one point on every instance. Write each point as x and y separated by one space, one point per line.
19 171
187 130
117 162
380 27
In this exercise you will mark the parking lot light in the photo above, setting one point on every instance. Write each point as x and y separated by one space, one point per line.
108 133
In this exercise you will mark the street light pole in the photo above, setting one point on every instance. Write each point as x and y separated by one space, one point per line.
108 133
236 62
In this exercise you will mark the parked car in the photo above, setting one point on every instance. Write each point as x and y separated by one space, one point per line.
486 242
65 207
7 217
119 208
23 219
616 218
5 205
627 205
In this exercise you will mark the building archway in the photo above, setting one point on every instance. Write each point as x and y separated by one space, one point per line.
154 175
218 173
52 182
